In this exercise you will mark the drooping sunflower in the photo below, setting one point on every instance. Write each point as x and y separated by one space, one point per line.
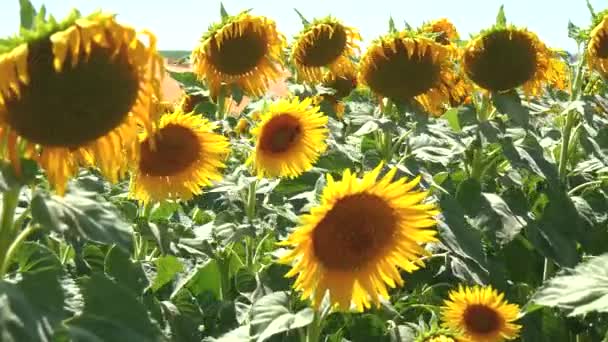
507 57
324 44
481 314
289 138
178 160
404 67
74 93
597 49
243 50
444 31
354 241
242 126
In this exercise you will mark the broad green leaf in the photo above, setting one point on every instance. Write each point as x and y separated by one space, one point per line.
185 317
204 278
367 327
31 309
111 313
511 224
27 14
271 315
510 105
118 265
452 117
187 79
34 257
82 214
163 210
167 268
578 291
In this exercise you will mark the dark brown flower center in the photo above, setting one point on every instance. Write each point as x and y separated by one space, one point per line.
322 46
77 105
177 147
481 319
280 133
343 86
505 60
601 44
355 231
239 52
400 74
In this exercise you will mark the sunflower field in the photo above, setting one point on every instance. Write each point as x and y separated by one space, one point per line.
422 187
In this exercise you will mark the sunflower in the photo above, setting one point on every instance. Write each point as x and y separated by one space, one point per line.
74 93
188 102
597 49
289 137
481 314
354 241
343 83
403 68
324 44
507 57
183 156
242 126
242 50
443 30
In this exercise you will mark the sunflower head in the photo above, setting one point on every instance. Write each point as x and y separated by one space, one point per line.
597 48
75 92
324 45
506 57
178 160
343 83
481 314
242 126
434 333
442 30
188 102
355 241
289 138
242 50
404 67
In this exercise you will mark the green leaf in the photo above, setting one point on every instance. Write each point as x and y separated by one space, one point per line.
271 315
167 268
510 105
368 327
187 79
391 25
223 13
501 18
511 224
305 22
204 278
163 210
32 309
578 291
452 117
185 317
34 257
27 13
111 313
119 266
82 214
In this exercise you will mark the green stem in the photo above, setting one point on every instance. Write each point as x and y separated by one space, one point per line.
570 120
223 261
221 103
15 246
10 199
313 333
477 164
251 200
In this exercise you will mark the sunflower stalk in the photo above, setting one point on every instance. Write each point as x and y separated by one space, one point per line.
570 119
14 247
251 200
313 332
10 199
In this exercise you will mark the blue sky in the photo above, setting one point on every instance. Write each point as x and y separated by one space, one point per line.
178 24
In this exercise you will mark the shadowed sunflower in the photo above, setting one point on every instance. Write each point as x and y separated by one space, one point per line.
597 49
183 156
504 58
353 243
343 83
481 314
74 93
324 44
242 50
444 31
405 68
289 137
242 126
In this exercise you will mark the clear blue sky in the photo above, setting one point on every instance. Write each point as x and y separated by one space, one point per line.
178 24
